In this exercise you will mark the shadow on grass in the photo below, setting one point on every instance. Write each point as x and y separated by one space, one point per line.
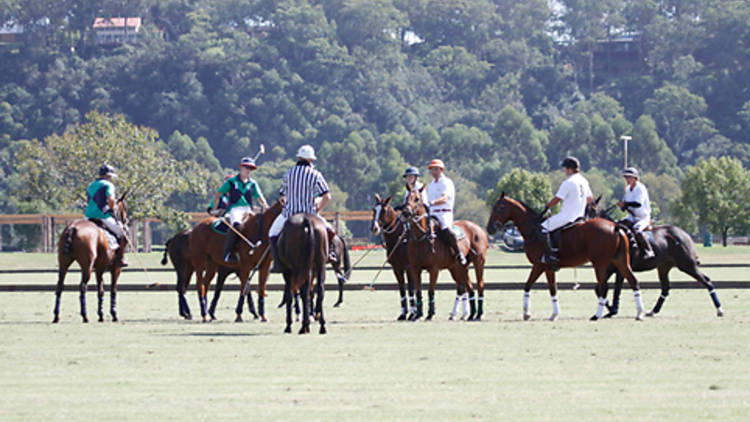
221 334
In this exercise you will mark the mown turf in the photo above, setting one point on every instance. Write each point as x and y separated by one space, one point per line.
686 364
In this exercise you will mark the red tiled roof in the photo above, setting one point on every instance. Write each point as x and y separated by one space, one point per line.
116 22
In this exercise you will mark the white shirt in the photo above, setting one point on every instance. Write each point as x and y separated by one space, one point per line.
639 194
438 188
573 192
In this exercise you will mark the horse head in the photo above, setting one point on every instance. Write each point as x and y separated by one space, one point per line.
382 214
121 209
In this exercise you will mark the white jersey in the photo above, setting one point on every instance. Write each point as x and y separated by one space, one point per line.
638 194
574 192
444 211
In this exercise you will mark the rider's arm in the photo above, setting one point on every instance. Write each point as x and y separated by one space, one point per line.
216 200
324 199
554 201
112 202
442 199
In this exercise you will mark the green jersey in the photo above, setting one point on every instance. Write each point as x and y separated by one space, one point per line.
97 194
241 194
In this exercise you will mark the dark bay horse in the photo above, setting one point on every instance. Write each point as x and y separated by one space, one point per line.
673 247
84 242
206 255
303 252
386 221
598 241
427 254
177 249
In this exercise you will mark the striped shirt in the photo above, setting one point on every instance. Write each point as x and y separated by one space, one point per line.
301 185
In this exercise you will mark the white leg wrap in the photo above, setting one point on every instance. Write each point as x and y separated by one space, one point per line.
638 300
454 312
464 305
555 305
412 308
526 299
600 307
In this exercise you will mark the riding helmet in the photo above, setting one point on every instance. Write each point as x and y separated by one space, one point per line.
306 152
411 171
630 172
107 170
248 162
571 163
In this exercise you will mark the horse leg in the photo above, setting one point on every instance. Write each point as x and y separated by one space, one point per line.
304 293
99 294
61 272
410 285
297 310
470 296
85 276
431 295
115 275
664 282
319 300
456 302
341 278
186 276
479 272
263 273
536 271
202 289
703 279
402 293
625 270
615 307
222 277
552 285
288 302
417 277
251 305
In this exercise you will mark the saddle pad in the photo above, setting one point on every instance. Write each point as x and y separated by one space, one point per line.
458 231
220 227
111 240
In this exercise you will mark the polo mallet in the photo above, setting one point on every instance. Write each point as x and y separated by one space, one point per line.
372 283
151 283
241 236
255 269
261 151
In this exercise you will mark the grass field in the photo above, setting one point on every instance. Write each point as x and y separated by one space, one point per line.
685 364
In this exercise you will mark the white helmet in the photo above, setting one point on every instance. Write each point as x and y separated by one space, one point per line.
306 152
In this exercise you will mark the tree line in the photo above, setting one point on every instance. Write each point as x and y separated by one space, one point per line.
376 85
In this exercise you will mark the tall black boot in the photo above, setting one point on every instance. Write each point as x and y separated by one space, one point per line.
450 237
550 252
643 244
229 255
120 260
274 242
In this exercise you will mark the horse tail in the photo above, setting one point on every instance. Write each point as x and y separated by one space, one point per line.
347 262
311 253
166 251
68 244
621 232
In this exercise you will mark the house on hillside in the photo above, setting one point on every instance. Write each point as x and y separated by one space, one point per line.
11 33
618 55
116 31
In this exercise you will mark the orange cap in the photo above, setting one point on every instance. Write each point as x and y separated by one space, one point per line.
436 163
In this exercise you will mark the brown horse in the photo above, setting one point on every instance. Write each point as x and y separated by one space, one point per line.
84 242
206 249
177 249
426 254
386 221
303 252
598 241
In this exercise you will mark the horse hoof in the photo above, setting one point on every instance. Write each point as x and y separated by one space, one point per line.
650 314
401 317
337 304
451 317
85 319
594 318
56 319
188 317
288 330
213 317
478 318
609 314
322 330
263 318
553 317
639 316
238 318
526 317
719 312
428 318
114 318
101 318
206 318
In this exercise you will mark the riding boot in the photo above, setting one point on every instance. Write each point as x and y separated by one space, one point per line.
274 241
120 260
229 255
450 237
550 252
644 245
332 257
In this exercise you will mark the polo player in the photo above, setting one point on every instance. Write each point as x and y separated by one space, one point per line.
441 194
636 202
102 202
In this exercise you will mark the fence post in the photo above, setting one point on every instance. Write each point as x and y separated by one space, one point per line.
134 235
147 240
336 222
1 237
52 234
45 233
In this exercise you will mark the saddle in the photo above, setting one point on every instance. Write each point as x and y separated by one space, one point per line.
556 235
111 238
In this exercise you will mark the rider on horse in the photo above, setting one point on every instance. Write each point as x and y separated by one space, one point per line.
412 181
575 194
101 204
301 186
637 204
241 190
441 194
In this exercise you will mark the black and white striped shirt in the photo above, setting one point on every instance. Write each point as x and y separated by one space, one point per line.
301 185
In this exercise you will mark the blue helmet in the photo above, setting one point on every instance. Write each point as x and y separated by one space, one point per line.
411 171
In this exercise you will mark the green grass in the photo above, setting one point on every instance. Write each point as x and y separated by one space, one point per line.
685 364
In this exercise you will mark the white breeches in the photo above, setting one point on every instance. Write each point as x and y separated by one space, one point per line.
639 224
556 221
237 214
278 225
445 219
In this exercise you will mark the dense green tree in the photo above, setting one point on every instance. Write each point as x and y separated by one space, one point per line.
534 189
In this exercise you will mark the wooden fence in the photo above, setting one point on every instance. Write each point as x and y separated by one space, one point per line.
141 239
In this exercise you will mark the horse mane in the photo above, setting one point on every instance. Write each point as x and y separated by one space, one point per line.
528 208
